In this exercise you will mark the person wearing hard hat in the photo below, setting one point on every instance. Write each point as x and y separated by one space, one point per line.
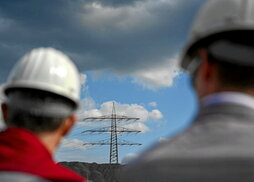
42 95
219 146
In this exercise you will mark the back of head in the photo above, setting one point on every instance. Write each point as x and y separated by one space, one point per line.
42 90
225 29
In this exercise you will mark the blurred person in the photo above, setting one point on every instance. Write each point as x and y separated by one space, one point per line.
219 146
42 95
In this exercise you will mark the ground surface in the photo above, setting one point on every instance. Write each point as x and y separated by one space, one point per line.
94 172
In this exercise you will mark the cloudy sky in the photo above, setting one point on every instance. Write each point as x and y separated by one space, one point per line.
127 52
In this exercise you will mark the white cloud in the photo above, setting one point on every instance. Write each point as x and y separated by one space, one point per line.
139 15
152 104
137 126
88 104
145 34
83 82
83 78
155 114
73 144
130 110
129 157
163 139
156 77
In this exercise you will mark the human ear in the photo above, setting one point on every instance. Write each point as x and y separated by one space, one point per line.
68 124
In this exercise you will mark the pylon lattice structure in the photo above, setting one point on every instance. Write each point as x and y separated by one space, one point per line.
114 131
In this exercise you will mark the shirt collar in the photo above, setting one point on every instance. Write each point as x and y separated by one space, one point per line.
228 97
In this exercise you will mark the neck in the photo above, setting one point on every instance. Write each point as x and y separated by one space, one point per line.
50 140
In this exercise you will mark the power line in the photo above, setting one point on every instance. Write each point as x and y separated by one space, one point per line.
114 130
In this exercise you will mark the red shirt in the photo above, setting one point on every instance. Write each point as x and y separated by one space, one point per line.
22 151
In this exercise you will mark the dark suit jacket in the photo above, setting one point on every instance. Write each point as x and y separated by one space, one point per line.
219 146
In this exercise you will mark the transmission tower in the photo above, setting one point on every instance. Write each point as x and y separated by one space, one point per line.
114 131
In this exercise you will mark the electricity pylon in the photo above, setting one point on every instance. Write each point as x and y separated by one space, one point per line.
114 130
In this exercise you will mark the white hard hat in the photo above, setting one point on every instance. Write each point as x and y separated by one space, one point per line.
46 69
218 17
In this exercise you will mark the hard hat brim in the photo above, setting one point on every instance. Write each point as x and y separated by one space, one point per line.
191 50
7 88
